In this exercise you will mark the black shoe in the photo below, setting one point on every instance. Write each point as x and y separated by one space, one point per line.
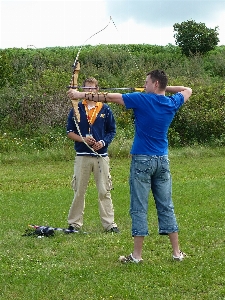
72 229
114 230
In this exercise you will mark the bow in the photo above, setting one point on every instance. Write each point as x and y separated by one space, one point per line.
74 83
76 69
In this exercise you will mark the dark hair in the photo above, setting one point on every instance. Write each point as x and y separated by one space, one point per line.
160 76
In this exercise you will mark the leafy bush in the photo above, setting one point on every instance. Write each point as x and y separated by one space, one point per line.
34 82
214 62
203 117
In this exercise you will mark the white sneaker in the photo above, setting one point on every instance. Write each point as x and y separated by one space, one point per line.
180 257
129 258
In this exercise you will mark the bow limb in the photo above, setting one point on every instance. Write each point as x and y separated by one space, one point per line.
74 84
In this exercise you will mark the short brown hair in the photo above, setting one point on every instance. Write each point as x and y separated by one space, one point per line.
160 76
91 80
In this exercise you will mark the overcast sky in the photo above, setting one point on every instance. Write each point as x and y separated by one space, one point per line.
50 23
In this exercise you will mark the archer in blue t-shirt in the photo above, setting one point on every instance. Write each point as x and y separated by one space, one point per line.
149 171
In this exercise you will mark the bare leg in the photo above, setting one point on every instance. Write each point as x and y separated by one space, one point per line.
174 243
138 245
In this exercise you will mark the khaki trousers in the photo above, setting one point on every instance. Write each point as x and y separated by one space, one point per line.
83 167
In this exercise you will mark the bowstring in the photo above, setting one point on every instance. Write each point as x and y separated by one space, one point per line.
74 65
128 50
84 43
136 65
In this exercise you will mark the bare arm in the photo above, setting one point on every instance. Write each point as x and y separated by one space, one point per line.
185 91
97 97
115 98
74 137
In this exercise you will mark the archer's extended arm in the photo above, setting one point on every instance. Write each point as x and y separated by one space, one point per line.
97 97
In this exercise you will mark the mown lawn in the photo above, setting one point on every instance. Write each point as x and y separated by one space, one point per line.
36 190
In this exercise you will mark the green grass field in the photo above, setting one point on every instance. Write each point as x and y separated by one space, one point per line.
35 189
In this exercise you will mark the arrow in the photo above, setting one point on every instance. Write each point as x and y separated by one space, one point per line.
138 89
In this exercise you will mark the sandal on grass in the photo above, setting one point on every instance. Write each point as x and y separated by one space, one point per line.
129 258
180 257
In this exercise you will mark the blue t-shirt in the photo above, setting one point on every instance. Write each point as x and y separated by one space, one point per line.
153 116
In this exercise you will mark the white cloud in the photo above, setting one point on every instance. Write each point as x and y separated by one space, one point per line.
66 23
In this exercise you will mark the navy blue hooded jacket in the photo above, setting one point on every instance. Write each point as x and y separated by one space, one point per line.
104 128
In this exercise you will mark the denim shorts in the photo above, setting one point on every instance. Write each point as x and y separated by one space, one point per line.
151 173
